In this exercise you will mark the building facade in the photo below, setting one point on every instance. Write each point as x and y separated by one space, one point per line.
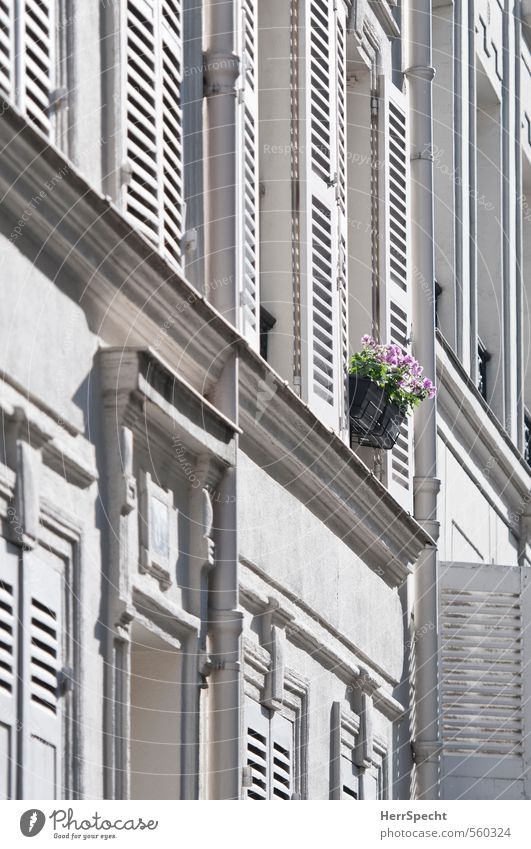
207 589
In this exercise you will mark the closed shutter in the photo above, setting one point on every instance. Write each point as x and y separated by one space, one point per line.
257 749
152 77
396 265
281 757
269 753
485 704
43 661
8 668
481 662
325 302
349 779
7 48
248 189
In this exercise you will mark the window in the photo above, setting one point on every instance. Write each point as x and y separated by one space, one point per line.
267 322
357 770
483 358
152 172
269 740
33 662
527 438
29 61
156 716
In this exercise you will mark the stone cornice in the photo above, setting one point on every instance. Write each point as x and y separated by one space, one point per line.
313 463
121 276
325 644
137 383
485 450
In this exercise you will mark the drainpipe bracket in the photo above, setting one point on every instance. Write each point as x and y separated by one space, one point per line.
220 72
426 751
424 72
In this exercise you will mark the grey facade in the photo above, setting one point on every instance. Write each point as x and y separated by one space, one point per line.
206 590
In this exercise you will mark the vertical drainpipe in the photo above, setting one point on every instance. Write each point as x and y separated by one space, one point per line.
420 73
221 70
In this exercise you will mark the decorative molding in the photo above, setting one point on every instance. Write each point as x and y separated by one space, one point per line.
60 451
329 648
141 388
159 545
318 468
383 14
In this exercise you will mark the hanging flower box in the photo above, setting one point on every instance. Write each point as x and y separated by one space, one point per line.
385 384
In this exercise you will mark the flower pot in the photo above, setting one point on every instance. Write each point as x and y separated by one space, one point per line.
374 420
367 401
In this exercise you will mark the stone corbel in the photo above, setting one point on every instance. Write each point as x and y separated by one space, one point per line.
128 497
29 440
364 707
274 621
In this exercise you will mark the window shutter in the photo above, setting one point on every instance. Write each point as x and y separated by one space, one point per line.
349 779
396 321
269 753
142 201
325 188
43 662
36 61
248 191
281 757
172 152
257 745
153 122
481 619
7 48
341 197
8 667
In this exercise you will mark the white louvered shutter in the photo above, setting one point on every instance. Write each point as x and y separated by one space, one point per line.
152 76
281 758
349 779
172 142
321 304
43 662
256 722
7 49
142 144
9 631
36 61
481 648
248 188
341 199
269 753
396 320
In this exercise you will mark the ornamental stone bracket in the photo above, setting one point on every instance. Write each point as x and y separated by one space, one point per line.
273 624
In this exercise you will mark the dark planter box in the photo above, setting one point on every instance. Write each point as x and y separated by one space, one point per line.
374 420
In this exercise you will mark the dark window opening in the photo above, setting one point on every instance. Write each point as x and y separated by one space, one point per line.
483 358
267 322
527 438
438 293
